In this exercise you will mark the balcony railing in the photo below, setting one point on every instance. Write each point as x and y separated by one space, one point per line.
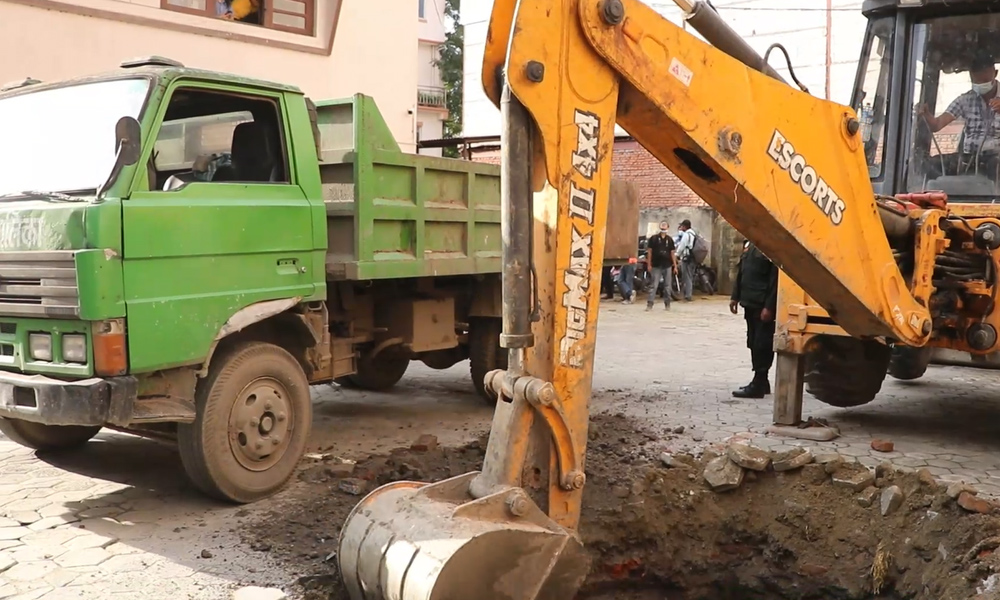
432 96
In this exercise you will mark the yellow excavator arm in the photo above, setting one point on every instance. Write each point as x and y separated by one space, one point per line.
784 168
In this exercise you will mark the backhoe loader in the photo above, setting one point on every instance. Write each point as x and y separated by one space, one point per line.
812 183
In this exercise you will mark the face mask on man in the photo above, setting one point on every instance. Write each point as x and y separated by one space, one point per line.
983 88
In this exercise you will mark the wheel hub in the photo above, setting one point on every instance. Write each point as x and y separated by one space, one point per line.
260 424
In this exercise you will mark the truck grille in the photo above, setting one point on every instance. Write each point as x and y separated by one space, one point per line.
39 284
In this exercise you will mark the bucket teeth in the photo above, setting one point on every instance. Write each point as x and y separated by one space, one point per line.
412 541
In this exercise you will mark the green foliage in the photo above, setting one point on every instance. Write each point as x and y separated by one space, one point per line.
450 63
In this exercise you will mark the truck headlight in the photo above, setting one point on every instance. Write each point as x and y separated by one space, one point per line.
74 348
40 346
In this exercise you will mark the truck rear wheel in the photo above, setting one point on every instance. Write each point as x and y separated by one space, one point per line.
485 353
844 371
46 437
380 372
253 420
909 363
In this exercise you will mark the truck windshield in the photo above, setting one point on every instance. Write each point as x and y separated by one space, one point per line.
955 129
62 140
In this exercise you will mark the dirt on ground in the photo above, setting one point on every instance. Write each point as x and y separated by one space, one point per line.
656 532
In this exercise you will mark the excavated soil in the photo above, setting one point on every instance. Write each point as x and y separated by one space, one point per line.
661 533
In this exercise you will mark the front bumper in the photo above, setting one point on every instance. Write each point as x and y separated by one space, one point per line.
49 401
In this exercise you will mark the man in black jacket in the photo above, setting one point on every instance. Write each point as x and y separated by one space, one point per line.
756 290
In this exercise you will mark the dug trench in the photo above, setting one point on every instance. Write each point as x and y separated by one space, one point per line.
796 525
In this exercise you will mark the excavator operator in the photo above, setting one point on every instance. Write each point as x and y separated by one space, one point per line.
979 107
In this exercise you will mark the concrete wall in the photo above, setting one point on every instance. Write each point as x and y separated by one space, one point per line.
374 51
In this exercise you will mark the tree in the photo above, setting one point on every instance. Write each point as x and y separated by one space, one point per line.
450 63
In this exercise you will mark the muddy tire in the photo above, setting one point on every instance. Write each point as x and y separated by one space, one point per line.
46 437
485 353
253 420
846 372
908 363
380 373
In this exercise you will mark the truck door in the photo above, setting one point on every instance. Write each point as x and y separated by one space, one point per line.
225 226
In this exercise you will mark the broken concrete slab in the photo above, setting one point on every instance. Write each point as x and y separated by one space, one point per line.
830 461
353 486
854 477
749 457
867 496
673 462
955 489
723 474
892 498
790 460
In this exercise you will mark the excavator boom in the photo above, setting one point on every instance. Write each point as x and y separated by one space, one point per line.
784 168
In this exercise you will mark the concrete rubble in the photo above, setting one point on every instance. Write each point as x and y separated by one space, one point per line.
749 457
790 460
853 476
723 474
892 499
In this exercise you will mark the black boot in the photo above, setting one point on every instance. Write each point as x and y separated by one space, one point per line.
758 388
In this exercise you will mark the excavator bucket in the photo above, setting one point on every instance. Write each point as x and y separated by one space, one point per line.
413 541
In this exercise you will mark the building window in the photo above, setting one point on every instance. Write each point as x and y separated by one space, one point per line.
420 8
295 16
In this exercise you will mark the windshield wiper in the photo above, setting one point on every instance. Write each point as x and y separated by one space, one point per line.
60 196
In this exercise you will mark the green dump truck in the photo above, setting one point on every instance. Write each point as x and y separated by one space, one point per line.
183 253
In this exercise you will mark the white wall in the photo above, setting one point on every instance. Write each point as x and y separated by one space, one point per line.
761 22
375 49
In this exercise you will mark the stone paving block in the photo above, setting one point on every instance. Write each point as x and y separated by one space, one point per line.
83 558
944 464
100 511
55 510
13 533
54 537
91 540
32 553
30 571
7 590
127 563
6 561
27 504
120 549
51 522
7 544
25 517
910 461
33 595
61 577
8 522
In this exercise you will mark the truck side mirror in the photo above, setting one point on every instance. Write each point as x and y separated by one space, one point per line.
128 145
129 141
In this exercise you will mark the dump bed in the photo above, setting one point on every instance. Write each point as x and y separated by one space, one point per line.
394 215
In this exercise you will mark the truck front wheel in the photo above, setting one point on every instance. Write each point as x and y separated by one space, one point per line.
485 353
844 372
253 419
909 363
46 437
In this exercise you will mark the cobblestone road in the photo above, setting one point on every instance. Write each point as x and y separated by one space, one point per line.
118 519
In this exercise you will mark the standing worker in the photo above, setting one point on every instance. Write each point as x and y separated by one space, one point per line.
756 290
662 256
685 252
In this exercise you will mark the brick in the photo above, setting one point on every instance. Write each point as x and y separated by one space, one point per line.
974 503
425 443
882 446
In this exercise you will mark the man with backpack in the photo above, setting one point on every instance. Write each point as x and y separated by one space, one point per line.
691 251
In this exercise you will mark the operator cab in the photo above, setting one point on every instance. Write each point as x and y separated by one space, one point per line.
910 145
